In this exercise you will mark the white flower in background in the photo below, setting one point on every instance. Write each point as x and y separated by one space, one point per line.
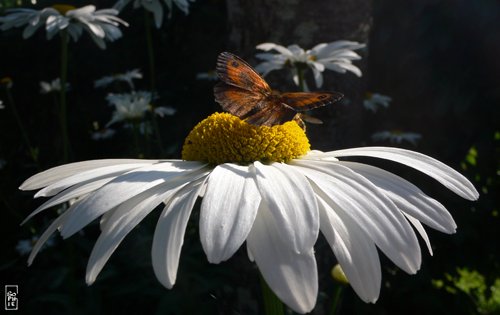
24 247
127 77
396 136
155 7
133 106
53 86
101 25
336 56
374 101
103 134
210 76
163 111
277 208
129 106
1 105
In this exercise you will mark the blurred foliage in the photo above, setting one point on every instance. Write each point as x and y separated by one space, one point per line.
485 296
438 60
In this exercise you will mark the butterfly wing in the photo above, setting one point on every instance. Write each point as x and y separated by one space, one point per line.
235 100
302 101
234 71
270 113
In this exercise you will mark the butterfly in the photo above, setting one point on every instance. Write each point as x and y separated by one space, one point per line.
244 93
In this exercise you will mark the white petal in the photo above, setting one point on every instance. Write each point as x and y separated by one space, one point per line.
292 202
427 165
420 229
407 197
88 176
318 78
55 174
122 188
119 224
56 224
292 276
269 46
169 233
228 210
374 212
70 193
354 250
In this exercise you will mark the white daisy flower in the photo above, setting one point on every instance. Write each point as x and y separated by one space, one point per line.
336 56
397 137
101 25
1 105
374 101
127 77
129 106
155 7
260 186
163 111
53 86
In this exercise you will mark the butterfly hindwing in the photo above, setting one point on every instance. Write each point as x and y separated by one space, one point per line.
237 101
269 113
303 101
234 71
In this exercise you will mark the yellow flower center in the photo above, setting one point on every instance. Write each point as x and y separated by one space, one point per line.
63 8
222 138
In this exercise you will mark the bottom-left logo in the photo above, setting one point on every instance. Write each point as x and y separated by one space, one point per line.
11 297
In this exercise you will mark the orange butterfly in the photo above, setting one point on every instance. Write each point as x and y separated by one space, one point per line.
244 93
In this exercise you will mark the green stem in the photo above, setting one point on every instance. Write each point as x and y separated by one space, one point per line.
337 299
151 54
62 104
135 131
20 124
152 74
300 74
272 304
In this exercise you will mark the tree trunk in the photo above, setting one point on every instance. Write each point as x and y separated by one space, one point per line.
308 23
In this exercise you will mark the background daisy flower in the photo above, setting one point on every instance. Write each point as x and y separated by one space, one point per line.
156 8
397 136
101 25
263 187
336 56
127 77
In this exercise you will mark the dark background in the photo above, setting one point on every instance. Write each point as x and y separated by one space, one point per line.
438 60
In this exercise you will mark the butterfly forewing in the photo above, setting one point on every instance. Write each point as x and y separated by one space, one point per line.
234 71
302 101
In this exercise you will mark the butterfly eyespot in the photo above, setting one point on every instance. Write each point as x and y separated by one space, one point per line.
235 64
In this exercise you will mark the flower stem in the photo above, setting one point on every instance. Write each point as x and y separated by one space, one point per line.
135 132
151 54
62 103
337 299
300 74
32 151
152 74
272 304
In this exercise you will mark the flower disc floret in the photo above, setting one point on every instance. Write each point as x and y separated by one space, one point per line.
223 138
